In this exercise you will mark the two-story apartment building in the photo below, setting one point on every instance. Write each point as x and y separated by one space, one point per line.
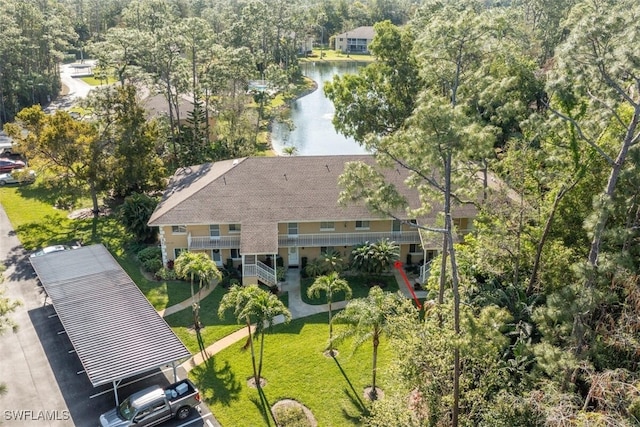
253 210
356 40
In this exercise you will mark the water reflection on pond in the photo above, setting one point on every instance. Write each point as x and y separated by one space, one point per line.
314 134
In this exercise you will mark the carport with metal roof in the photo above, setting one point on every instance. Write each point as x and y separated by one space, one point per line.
114 330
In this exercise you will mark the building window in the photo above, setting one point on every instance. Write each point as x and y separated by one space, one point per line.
179 229
415 248
235 254
214 230
292 229
178 251
362 225
234 228
396 225
327 226
327 249
460 223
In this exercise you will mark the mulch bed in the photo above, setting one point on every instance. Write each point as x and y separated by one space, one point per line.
292 404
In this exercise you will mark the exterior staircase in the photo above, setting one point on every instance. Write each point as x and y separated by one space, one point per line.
266 274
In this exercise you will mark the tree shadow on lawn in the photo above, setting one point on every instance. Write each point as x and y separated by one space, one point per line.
353 396
49 192
52 230
296 325
360 285
55 229
218 384
264 407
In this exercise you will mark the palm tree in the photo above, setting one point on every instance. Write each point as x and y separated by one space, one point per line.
315 268
361 256
333 261
266 307
368 318
196 264
385 253
250 303
374 258
329 284
290 150
135 213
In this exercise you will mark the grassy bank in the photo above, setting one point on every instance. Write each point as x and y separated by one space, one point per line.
329 55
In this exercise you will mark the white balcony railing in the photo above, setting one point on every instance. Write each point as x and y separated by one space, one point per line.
309 240
425 271
208 242
347 239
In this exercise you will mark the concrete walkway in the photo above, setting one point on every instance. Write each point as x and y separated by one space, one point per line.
297 307
204 292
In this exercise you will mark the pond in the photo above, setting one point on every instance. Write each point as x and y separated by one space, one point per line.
313 133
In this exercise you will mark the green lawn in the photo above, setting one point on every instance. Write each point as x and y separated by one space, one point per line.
161 294
214 327
37 224
295 368
334 55
359 287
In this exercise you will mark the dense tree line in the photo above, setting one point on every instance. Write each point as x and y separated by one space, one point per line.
534 320
200 56
35 36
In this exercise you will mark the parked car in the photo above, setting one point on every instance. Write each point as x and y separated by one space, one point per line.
6 147
7 165
51 249
17 176
154 405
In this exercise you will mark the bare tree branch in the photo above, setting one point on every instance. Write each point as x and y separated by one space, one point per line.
581 134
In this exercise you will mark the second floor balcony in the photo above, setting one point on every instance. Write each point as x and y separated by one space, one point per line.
307 240
213 242
347 239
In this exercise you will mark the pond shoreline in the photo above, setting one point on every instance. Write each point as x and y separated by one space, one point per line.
287 105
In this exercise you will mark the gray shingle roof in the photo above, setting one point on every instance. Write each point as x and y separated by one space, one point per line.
260 192
259 238
359 33
112 326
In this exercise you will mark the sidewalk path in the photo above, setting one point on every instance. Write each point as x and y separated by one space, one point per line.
204 292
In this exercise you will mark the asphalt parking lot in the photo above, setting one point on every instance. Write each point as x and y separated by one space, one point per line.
45 385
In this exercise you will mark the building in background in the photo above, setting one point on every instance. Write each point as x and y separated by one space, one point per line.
354 41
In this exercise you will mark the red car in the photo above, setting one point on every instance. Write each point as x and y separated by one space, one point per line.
7 165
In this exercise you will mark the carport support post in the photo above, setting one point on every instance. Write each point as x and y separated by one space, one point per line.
116 383
175 372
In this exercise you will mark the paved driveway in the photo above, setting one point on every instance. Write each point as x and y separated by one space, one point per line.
44 379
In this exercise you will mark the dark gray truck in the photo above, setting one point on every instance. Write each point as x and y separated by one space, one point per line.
154 405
